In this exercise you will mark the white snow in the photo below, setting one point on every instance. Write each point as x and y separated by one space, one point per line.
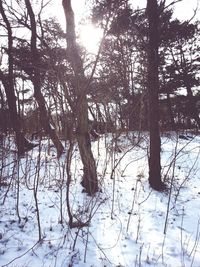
127 218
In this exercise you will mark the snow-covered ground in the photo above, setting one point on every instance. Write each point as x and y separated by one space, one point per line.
130 224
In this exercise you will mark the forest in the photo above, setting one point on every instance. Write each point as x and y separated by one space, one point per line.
99 151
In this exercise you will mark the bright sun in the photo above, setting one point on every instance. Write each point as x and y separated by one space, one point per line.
90 37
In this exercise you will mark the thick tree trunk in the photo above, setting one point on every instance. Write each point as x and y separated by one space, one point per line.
8 82
153 88
90 181
44 118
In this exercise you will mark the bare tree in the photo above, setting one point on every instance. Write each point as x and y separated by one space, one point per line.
7 80
44 118
80 107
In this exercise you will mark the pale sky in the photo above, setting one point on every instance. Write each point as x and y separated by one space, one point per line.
183 9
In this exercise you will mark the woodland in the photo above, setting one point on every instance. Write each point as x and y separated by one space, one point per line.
99 152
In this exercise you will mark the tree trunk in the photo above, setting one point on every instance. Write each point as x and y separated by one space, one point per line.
44 118
8 82
153 88
90 181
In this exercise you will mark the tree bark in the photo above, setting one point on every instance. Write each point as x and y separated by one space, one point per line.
90 181
153 88
44 118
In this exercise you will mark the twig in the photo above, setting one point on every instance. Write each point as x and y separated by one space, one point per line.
22 255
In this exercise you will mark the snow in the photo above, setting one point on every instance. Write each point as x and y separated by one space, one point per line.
130 224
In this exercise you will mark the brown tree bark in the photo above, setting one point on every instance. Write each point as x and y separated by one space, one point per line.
90 181
44 118
8 82
153 88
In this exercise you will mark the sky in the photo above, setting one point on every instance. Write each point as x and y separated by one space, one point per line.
183 10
